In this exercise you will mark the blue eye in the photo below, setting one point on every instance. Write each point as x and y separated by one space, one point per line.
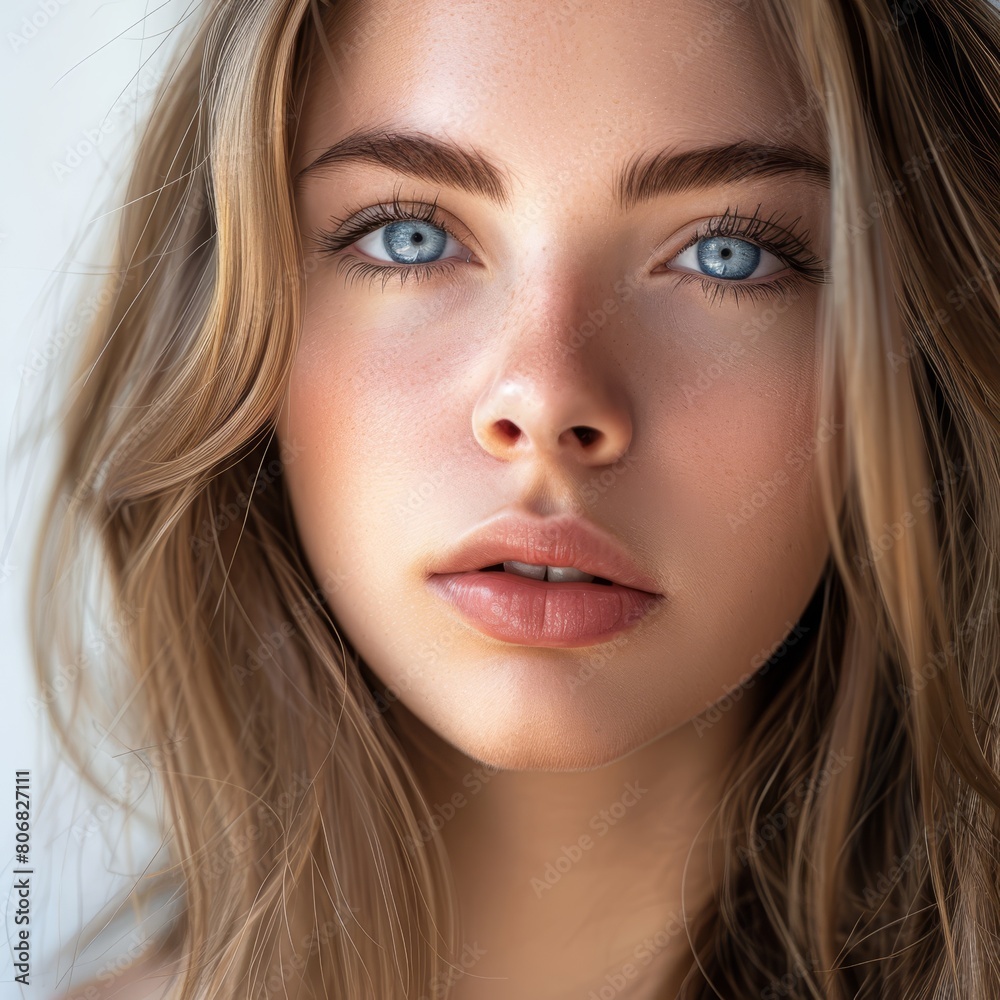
414 240
728 257
411 241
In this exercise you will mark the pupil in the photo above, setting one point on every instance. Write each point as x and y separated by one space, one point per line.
726 253
417 237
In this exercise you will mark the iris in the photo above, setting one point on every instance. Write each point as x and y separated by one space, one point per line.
726 257
413 242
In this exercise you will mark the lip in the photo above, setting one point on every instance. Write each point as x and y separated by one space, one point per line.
536 612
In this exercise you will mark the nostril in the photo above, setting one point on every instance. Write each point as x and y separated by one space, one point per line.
586 434
509 429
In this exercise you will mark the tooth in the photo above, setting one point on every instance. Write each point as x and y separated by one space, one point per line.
524 569
567 574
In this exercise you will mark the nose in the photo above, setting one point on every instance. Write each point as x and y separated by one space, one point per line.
552 396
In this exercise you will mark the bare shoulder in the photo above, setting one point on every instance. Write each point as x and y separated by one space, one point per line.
147 981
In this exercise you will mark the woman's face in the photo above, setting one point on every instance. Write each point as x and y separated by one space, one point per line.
584 338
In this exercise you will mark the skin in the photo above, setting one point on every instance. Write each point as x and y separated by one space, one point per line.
402 392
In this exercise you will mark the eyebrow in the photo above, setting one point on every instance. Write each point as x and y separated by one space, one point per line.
645 177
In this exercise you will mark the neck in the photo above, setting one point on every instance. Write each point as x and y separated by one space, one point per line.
581 883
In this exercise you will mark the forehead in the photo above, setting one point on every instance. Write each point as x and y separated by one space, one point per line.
542 80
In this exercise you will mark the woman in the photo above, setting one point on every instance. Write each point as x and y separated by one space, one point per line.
553 455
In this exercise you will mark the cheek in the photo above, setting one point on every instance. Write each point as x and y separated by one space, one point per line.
353 390
375 363
734 490
743 420
729 412
732 399
368 419
741 468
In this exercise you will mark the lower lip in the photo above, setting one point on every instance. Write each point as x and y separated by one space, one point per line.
538 613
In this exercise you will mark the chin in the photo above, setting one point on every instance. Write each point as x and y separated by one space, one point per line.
538 726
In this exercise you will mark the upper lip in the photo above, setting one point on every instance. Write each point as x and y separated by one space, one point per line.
563 540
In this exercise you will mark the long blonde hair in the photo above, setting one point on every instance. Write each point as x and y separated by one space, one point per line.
298 831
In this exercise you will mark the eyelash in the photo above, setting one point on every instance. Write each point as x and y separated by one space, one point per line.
785 242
